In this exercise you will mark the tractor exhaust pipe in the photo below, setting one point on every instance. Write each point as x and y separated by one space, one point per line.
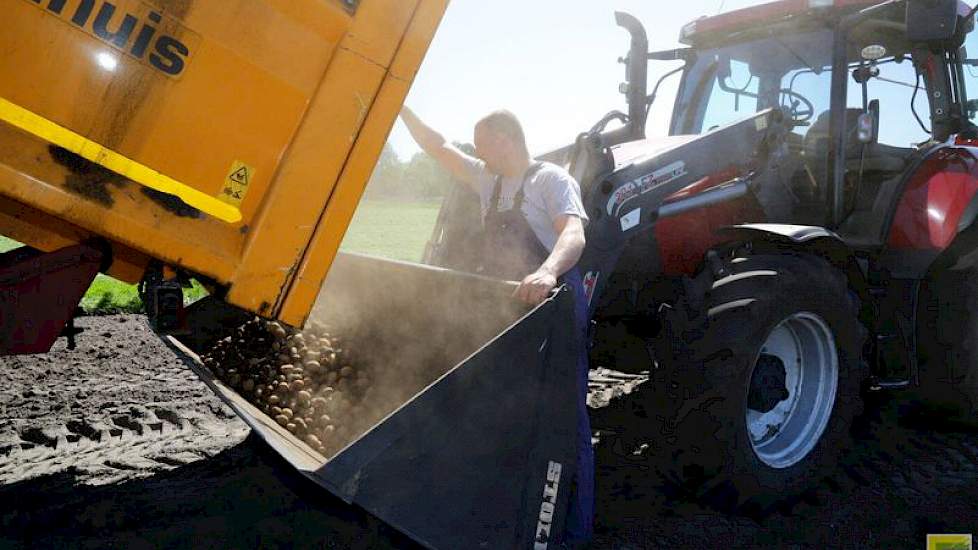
636 79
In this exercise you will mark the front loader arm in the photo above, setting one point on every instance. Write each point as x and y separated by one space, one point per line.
715 167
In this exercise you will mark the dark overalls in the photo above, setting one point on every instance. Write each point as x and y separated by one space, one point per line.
513 251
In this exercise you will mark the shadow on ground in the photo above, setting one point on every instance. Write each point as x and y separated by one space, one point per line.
243 497
908 475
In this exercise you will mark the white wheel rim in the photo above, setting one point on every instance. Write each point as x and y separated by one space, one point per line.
784 435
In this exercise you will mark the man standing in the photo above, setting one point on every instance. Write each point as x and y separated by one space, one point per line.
533 221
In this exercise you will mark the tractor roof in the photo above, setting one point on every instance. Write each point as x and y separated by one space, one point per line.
712 29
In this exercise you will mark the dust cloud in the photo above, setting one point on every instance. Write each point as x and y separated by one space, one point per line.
405 325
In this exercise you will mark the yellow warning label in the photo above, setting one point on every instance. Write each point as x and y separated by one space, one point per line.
236 183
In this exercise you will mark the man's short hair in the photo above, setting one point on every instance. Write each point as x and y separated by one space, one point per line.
505 122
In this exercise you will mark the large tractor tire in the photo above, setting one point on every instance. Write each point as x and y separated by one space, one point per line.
763 382
948 342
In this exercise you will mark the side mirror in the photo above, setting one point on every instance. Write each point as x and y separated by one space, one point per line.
931 20
868 123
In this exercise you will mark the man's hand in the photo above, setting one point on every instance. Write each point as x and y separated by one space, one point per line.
536 287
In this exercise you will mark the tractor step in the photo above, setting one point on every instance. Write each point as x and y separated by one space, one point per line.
881 384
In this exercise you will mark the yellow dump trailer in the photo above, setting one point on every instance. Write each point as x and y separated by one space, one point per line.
230 139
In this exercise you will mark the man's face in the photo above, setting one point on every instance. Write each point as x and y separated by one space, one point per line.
489 147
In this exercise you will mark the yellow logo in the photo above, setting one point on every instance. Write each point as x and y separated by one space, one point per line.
949 542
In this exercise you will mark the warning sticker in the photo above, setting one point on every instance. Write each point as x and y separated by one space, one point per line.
236 183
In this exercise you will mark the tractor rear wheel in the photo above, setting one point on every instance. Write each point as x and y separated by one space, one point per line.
764 381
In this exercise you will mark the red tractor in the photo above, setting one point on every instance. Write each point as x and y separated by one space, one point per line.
806 234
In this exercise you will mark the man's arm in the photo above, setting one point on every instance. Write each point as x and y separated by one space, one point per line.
448 156
536 286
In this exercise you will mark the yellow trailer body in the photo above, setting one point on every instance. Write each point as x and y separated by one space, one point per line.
231 139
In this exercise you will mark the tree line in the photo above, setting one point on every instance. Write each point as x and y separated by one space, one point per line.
420 178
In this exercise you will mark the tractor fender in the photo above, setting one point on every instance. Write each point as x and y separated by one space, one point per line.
969 215
812 239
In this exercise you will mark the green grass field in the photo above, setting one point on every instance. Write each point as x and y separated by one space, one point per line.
395 230
391 229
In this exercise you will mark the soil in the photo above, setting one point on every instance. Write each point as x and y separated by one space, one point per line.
117 444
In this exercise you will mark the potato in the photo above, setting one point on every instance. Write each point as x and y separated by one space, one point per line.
304 397
282 420
318 402
274 399
248 385
346 371
297 385
287 413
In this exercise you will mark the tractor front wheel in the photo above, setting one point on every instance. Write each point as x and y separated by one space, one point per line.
765 380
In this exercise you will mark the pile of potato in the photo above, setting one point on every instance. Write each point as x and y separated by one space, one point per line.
305 380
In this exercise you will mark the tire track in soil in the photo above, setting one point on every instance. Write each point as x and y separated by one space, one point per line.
120 406
118 444
110 453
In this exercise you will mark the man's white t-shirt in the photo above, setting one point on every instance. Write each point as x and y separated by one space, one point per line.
549 193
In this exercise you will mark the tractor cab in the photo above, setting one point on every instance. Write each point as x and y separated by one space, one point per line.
865 90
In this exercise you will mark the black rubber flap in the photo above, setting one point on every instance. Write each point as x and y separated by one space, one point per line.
474 460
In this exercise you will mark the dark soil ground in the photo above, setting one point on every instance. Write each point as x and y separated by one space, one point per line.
117 445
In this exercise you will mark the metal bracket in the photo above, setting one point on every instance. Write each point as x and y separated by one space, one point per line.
163 300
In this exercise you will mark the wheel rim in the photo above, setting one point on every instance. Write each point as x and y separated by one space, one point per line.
791 390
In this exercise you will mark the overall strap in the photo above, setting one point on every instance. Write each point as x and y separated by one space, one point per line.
530 172
518 198
494 201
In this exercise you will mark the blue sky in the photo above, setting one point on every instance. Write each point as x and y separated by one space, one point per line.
552 62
